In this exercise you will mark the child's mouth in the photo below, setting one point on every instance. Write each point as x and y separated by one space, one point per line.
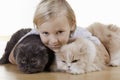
55 47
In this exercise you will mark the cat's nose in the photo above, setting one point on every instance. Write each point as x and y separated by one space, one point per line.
68 66
27 66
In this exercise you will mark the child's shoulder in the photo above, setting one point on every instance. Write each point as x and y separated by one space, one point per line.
83 32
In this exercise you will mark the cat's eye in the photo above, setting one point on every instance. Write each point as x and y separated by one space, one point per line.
23 61
63 61
74 61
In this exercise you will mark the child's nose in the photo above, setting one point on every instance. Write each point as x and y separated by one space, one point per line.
53 40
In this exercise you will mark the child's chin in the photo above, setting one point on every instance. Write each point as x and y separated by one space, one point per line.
56 50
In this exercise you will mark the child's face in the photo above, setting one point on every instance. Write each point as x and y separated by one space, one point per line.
55 33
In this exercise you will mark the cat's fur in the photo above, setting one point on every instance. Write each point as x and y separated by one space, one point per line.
11 43
109 35
30 54
81 56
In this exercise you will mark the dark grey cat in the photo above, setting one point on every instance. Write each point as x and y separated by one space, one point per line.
30 54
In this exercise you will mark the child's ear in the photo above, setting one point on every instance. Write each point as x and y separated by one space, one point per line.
73 27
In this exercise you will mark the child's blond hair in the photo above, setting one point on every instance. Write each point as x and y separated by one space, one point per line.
48 9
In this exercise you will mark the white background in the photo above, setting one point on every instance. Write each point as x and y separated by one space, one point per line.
16 14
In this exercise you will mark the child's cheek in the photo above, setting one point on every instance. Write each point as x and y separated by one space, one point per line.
44 40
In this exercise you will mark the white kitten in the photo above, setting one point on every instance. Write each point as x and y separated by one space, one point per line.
109 35
80 56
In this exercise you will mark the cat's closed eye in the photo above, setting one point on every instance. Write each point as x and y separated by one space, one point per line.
33 61
64 61
74 61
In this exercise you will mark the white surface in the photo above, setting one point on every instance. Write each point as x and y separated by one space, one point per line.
16 14
2 47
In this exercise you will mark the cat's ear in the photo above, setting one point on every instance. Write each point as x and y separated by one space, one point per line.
39 49
82 49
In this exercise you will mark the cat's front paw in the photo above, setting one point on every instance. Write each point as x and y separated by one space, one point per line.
93 68
115 63
75 72
115 59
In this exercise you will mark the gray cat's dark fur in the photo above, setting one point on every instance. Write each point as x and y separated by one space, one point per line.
11 43
30 54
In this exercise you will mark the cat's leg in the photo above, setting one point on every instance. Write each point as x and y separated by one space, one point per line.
76 71
87 69
92 68
114 50
115 59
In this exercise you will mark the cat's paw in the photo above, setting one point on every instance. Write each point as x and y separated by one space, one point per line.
115 63
115 59
93 68
76 72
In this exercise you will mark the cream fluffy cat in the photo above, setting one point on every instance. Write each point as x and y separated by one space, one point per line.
109 35
81 56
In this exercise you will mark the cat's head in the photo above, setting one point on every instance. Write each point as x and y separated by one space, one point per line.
73 56
31 58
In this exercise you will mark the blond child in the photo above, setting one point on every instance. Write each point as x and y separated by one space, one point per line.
56 24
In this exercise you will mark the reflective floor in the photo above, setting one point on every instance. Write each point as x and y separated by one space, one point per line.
11 72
